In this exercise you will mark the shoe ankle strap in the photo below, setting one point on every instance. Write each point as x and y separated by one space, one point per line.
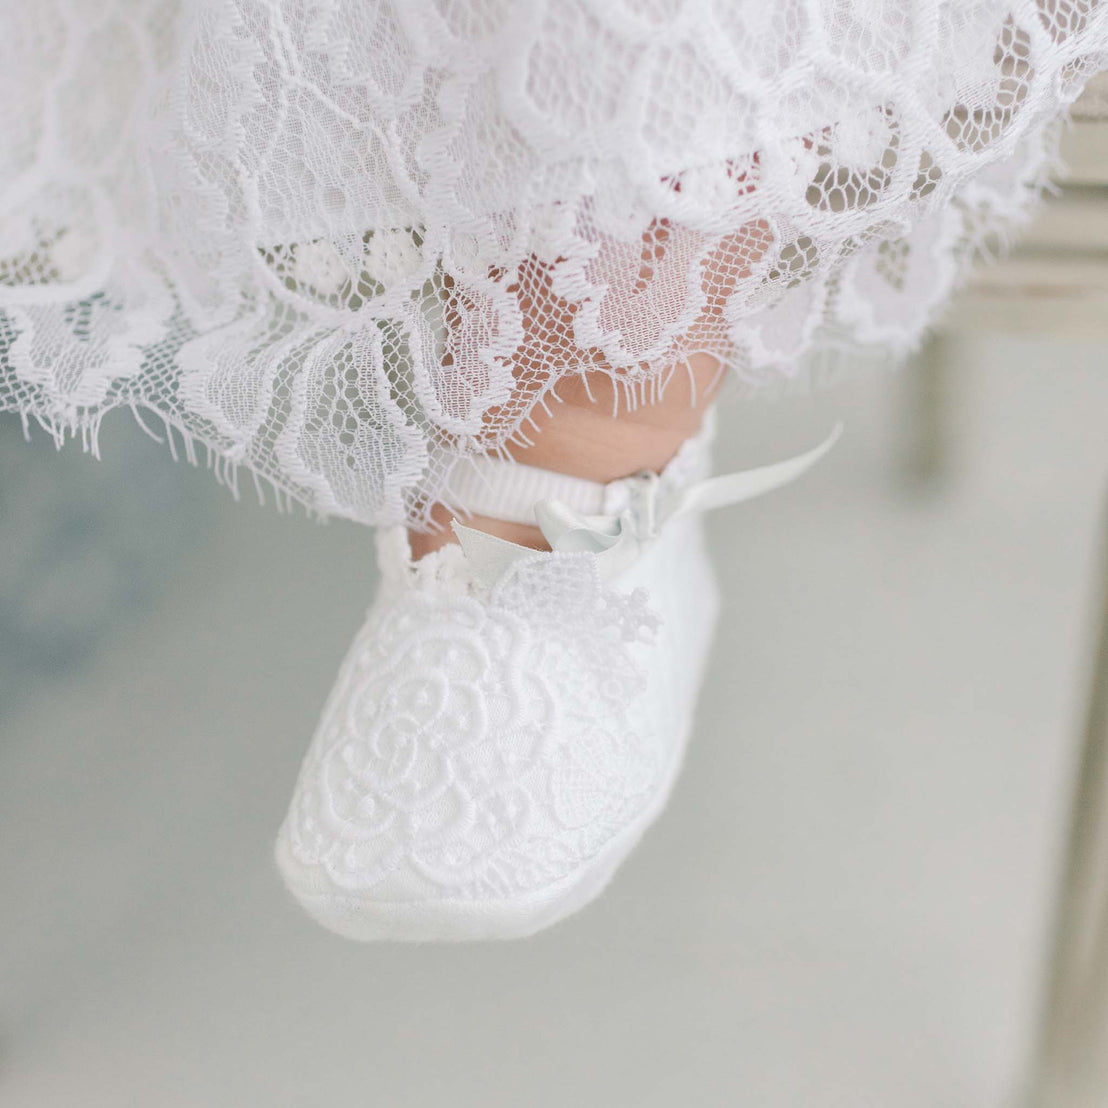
619 535
507 490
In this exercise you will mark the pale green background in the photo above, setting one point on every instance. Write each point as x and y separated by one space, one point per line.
845 905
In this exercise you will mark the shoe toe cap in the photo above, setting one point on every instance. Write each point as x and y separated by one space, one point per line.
405 905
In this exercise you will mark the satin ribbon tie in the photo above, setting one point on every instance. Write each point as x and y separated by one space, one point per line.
618 539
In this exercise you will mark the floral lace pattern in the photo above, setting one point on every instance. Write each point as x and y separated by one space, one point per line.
482 744
346 244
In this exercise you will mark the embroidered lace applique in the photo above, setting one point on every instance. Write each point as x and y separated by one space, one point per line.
482 745
347 245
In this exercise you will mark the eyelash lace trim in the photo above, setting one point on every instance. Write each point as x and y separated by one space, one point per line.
343 246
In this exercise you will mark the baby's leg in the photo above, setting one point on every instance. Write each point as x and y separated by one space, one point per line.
587 428
591 434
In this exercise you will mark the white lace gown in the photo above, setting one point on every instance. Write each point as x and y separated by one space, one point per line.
347 244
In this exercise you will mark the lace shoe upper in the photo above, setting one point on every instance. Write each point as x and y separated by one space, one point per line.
481 741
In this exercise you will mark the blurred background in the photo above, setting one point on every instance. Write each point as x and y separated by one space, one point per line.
852 898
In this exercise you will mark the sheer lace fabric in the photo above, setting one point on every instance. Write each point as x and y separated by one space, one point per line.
346 245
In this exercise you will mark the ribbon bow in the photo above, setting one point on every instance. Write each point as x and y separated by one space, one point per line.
619 539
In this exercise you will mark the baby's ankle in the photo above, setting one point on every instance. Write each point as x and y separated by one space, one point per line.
591 433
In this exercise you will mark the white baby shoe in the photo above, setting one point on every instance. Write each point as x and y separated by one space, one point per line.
508 722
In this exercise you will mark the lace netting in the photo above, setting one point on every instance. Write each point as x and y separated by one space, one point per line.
347 244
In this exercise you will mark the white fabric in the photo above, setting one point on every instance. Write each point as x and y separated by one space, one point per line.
502 489
489 756
348 243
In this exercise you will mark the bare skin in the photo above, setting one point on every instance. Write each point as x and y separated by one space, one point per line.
586 432
582 437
